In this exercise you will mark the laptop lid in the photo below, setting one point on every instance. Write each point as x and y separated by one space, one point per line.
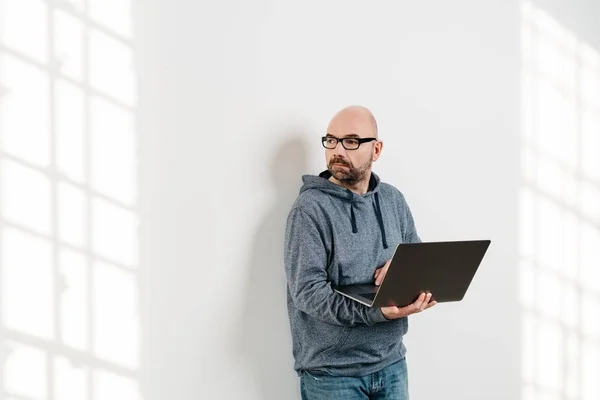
446 269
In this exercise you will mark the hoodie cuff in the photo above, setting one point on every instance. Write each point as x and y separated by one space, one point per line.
376 316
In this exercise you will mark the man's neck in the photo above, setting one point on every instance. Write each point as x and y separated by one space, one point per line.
361 187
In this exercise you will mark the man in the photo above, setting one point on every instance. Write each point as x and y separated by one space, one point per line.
343 229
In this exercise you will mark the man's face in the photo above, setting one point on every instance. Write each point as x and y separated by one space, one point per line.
351 166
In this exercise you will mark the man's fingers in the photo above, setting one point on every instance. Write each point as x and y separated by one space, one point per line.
431 304
379 275
424 304
417 304
380 272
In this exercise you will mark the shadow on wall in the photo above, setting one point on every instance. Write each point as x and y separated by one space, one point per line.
265 338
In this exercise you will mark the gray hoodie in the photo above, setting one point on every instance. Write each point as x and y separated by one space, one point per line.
337 237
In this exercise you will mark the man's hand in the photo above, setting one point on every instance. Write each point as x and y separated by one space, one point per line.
380 272
422 303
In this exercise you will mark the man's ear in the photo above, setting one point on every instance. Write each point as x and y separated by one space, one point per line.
377 149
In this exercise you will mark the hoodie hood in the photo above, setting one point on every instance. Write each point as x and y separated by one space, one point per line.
323 184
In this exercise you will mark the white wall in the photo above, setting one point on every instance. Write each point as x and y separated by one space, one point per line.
234 96
578 16
560 289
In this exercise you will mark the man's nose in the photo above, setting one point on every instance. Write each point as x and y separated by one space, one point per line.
339 150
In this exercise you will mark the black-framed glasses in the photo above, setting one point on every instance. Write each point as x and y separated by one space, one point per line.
330 142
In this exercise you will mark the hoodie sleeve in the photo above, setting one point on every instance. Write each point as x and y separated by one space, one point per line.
410 231
305 258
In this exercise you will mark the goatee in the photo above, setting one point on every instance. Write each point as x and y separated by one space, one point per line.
348 174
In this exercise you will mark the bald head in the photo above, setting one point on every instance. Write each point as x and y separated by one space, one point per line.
354 120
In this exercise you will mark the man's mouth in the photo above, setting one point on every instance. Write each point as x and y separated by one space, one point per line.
341 164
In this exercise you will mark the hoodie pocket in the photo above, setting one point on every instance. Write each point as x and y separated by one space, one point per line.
365 344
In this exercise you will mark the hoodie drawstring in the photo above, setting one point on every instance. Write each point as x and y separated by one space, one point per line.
380 219
377 207
353 219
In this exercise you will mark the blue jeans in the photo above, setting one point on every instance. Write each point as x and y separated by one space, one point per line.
390 383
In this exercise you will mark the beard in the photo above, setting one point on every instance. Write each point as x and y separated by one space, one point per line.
348 174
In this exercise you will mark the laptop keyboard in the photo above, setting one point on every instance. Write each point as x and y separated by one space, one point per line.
370 296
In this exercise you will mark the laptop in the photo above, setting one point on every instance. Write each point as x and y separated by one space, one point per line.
444 269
